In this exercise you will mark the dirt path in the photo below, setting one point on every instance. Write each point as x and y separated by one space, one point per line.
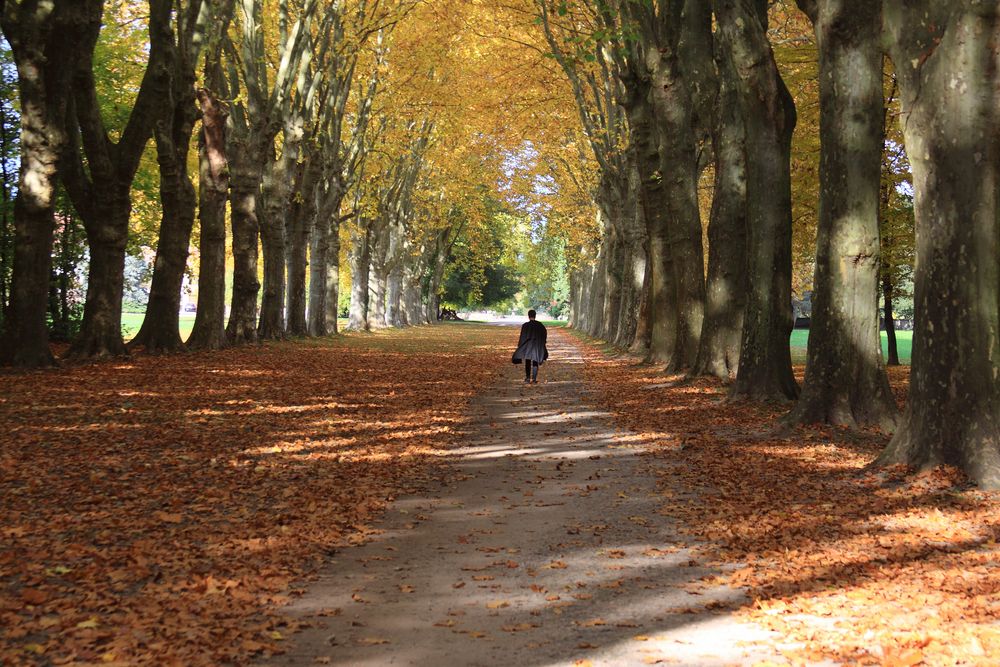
547 549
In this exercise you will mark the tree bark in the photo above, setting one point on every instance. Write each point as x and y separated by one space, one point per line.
107 235
360 258
209 331
332 310
44 40
726 286
673 109
413 307
319 248
644 159
302 218
272 242
436 281
243 200
892 359
160 330
101 191
765 370
946 56
845 382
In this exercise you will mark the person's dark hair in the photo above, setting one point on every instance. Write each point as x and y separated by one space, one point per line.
531 314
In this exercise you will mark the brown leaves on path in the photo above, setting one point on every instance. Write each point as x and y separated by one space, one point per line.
159 510
846 563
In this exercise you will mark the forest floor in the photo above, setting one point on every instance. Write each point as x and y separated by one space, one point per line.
402 496
546 547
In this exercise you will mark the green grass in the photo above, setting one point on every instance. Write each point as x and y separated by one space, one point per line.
904 342
132 321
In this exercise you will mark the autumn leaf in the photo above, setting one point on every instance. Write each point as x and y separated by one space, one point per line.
372 641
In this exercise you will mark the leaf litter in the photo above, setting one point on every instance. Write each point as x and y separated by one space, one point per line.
846 563
162 509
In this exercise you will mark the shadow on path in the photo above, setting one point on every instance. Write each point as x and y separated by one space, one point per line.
544 549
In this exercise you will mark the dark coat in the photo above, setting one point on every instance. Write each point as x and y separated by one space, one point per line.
531 345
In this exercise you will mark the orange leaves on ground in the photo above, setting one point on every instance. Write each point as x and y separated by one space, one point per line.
158 510
851 564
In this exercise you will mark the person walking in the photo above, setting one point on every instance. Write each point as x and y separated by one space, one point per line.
531 350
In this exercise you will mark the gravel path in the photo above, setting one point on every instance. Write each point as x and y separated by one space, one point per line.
547 549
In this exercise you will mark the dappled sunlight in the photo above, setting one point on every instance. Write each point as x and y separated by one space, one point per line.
205 484
845 563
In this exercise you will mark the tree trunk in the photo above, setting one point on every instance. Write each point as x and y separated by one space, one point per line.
765 370
209 331
948 78
890 324
100 334
360 257
672 106
845 383
272 242
433 306
726 288
318 270
243 201
597 292
633 267
332 310
645 157
413 307
394 316
301 216
376 300
44 40
160 331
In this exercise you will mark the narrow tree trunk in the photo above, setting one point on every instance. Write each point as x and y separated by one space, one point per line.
302 215
433 307
661 317
318 270
597 292
890 324
272 242
679 168
845 383
209 331
948 78
160 331
100 334
645 160
44 40
360 257
412 302
614 278
635 263
765 371
377 292
332 310
243 201
726 287
394 316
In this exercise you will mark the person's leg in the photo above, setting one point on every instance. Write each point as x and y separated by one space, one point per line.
534 371
527 370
